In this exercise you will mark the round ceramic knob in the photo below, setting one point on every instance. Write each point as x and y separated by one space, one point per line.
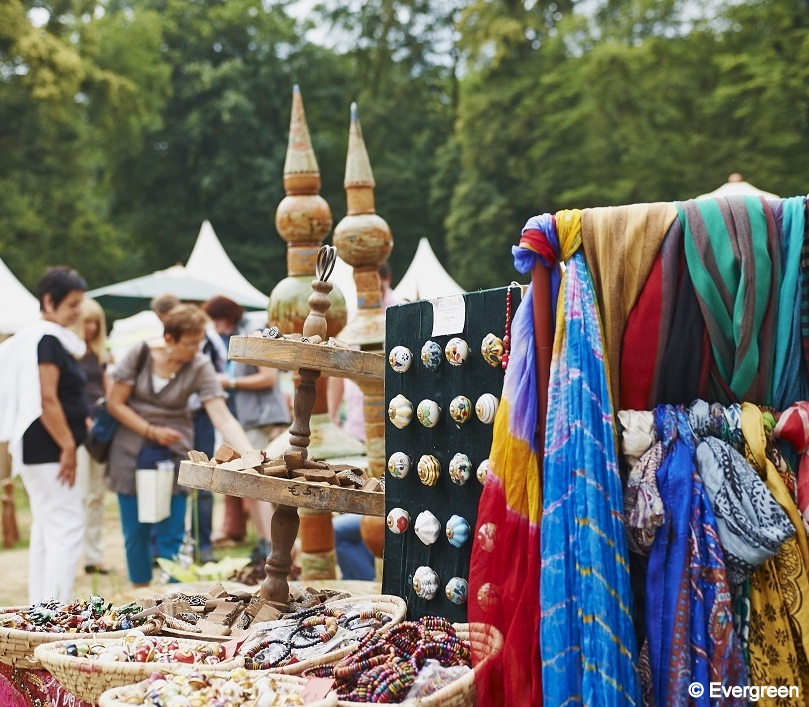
482 471
486 408
492 349
457 531
425 582
398 520
431 354
457 590
429 469
427 527
457 351
485 536
460 469
400 411
487 595
398 465
460 409
400 358
428 413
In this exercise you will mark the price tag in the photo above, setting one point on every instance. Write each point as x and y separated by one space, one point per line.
316 689
449 315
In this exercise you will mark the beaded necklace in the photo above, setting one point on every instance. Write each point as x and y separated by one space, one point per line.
383 666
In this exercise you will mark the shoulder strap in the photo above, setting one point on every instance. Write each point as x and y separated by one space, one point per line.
144 352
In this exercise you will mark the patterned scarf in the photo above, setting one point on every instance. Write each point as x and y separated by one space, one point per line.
793 427
588 642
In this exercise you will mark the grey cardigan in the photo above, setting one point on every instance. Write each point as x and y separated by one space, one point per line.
168 408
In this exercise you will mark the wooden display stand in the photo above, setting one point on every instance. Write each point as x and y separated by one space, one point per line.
309 360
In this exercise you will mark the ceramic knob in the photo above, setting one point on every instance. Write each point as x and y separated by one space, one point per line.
428 413
456 351
398 521
398 465
492 349
457 531
460 469
400 358
457 590
400 411
431 355
429 469
427 527
486 408
460 409
482 471
485 536
487 595
425 582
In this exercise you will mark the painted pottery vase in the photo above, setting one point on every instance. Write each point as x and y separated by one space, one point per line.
428 413
427 527
492 349
400 411
457 531
456 351
460 469
460 409
431 354
486 408
425 582
398 520
457 590
400 358
429 469
398 465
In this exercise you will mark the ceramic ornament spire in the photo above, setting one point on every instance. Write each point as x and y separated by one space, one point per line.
363 240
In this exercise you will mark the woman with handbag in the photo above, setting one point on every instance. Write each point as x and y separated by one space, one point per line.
43 418
150 402
92 327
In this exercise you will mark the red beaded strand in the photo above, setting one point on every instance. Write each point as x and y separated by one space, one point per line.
507 332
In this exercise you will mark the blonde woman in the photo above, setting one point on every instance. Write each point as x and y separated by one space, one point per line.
92 328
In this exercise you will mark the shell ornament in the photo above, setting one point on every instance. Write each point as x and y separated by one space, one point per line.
460 409
431 355
486 408
398 521
460 469
398 465
458 531
492 349
456 351
457 590
429 413
427 527
429 469
425 582
400 358
400 411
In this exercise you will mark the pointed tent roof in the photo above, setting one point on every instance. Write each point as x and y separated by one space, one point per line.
426 277
20 307
736 186
210 272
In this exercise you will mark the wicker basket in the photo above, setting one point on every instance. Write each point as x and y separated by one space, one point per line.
87 678
17 646
394 606
110 698
486 640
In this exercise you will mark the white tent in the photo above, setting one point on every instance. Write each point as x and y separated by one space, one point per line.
20 307
343 277
210 272
736 186
426 277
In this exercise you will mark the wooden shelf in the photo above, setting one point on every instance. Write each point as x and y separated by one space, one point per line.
290 355
288 492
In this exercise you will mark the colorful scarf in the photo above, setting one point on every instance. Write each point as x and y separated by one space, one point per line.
504 574
620 245
779 589
793 427
733 255
588 641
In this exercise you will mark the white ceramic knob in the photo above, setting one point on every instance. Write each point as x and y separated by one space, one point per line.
398 465
460 469
400 358
400 411
428 413
486 408
427 527
425 582
456 351
398 520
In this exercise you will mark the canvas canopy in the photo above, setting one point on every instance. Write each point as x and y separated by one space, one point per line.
426 277
737 186
20 307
